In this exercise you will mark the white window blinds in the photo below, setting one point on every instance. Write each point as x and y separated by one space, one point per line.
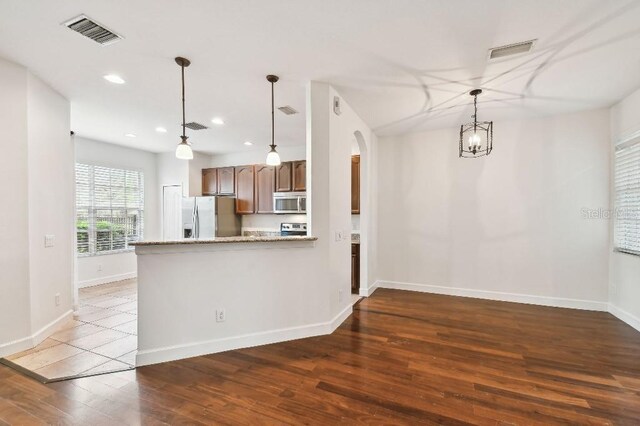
109 209
627 201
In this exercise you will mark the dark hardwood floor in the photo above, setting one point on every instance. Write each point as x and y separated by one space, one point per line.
401 358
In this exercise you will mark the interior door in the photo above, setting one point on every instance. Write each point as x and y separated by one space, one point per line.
172 212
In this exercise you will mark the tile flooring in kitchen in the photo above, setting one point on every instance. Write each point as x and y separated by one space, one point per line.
102 337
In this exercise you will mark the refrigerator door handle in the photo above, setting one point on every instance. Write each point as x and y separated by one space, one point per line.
193 219
197 222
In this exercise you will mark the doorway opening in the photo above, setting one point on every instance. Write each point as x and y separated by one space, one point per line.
358 215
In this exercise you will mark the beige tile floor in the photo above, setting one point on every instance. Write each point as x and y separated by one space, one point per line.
101 338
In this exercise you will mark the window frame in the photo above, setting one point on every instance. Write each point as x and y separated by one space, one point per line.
93 208
631 142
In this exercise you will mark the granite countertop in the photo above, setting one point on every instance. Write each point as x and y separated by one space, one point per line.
223 240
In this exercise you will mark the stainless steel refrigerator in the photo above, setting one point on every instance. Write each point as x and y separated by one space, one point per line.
209 217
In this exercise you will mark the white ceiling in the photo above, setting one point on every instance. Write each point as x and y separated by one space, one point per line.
404 65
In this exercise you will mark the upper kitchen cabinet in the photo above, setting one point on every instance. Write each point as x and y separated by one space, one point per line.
245 193
355 184
299 175
284 182
226 181
209 181
265 183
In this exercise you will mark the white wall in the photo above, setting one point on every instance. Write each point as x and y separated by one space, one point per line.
15 321
37 169
200 161
101 269
51 175
257 156
509 223
624 290
172 171
344 129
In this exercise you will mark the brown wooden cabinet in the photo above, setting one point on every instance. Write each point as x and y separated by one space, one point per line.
355 268
284 181
299 175
265 183
209 181
355 184
254 185
226 181
245 192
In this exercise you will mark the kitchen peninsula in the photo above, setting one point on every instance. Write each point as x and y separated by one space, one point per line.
198 297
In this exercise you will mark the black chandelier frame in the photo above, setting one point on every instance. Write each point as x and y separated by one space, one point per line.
478 127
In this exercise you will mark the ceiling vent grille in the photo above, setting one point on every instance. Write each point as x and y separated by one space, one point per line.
511 49
287 110
195 126
91 29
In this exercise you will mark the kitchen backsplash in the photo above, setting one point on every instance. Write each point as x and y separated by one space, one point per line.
268 224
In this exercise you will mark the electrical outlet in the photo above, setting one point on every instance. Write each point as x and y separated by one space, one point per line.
57 299
99 267
221 316
340 295
49 240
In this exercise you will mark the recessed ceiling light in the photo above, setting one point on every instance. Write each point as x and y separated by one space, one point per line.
161 130
248 143
112 78
130 135
218 121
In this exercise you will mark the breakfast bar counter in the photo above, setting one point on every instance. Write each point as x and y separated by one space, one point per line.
226 240
201 296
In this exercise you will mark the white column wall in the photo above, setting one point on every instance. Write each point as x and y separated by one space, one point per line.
37 171
15 319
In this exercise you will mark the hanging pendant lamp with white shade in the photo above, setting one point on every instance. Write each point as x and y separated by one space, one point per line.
183 151
273 158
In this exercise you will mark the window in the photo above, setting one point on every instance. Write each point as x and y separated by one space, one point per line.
627 202
109 209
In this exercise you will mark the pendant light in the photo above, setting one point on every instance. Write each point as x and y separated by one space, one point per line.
183 151
273 158
476 138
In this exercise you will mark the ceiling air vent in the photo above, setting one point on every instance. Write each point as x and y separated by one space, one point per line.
89 28
195 126
287 110
511 49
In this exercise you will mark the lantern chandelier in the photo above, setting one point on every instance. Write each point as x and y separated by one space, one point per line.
476 138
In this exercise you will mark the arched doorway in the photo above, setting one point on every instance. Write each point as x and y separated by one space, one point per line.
360 210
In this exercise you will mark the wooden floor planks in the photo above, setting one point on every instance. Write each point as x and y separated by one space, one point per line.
401 358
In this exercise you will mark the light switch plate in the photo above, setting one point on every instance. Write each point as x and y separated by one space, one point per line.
49 240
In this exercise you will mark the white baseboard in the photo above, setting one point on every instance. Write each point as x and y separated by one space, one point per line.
107 279
558 302
366 292
624 316
15 346
36 338
172 353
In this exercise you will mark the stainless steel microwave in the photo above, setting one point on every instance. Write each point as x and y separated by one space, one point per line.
290 202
